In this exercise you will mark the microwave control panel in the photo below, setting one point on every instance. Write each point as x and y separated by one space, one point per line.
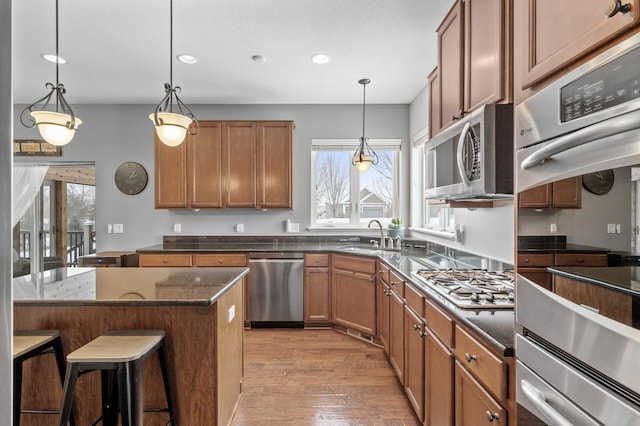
609 85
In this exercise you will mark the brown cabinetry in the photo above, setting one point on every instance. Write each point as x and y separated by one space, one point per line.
353 293
549 35
162 259
384 295
228 164
317 292
396 325
434 103
534 266
473 404
563 194
610 303
414 350
473 60
439 383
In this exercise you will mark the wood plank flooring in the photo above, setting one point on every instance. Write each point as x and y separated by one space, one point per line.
318 377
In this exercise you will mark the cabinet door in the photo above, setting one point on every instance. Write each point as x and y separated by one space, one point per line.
274 165
414 361
353 300
239 168
396 335
317 306
484 52
450 57
473 404
384 299
204 166
170 175
552 34
567 193
434 103
439 394
539 197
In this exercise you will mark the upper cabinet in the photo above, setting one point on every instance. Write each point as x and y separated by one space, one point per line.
228 164
473 60
551 35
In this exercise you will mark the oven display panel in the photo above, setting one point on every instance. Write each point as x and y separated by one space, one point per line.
611 84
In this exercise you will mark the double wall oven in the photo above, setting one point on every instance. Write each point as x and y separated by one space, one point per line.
576 365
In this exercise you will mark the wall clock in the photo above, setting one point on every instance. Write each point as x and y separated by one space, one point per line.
598 183
131 178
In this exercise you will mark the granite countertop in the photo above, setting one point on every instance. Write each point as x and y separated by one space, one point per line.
568 248
625 279
127 286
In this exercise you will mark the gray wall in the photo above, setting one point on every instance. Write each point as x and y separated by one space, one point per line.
112 134
6 309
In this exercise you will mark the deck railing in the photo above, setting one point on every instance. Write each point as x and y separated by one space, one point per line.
75 245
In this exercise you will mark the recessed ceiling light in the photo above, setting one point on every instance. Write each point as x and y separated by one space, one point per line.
187 59
320 58
258 59
52 58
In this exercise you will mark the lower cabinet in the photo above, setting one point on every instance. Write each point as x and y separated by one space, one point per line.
439 384
414 385
317 291
353 293
473 404
384 300
396 334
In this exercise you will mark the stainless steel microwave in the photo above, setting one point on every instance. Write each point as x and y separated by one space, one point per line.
473 158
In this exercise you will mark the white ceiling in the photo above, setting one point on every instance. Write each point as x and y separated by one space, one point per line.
118 50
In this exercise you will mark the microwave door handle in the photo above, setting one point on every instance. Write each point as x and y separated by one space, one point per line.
463 172
538 399
603 129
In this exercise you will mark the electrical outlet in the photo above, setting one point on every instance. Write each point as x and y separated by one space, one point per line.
177 228
240 228
617 228
109 228
118 228
553 228
294 227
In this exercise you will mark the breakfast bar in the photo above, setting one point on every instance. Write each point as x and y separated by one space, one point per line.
200 309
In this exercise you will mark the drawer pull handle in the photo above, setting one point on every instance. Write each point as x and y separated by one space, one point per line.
616 7
580 260
492 416
393 283
526 261
416 327
470 357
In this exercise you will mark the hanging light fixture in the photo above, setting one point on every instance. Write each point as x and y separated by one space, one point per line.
172 127
364 157
56 127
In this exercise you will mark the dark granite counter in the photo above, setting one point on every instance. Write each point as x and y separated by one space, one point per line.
544 244
127 286
625 279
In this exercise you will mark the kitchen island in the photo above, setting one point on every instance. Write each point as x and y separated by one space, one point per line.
200 309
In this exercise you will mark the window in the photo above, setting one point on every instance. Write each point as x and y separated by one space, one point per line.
345 197
439 218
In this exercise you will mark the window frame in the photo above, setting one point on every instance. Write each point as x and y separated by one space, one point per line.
350 145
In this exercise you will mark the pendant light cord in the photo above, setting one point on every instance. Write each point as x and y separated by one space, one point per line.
364 91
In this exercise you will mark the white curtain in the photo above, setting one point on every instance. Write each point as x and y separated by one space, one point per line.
27 181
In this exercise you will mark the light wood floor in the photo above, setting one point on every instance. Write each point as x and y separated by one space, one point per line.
318 377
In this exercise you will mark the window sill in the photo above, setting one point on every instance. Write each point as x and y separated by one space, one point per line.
442 234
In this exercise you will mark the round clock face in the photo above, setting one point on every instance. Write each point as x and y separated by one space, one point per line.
598 183
131 178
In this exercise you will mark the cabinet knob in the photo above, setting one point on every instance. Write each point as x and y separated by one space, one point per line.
393 283
527 261
470 357
580 260
617 6
416 327
220 260
165 260
492 416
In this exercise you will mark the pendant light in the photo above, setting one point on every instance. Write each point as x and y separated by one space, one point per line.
364 157
171 127
56 127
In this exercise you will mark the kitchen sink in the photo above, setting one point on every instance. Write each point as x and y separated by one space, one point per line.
374 251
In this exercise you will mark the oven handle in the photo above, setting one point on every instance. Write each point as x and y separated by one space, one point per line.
603 129
537 397
461 169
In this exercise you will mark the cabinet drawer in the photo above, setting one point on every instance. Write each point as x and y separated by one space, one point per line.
165 260
354 263
383 272
473 404
529 260
311 260
439 323
235 259
396 284
490 370
414 299
581 260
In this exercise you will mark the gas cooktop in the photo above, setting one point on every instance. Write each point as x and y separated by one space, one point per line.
471 288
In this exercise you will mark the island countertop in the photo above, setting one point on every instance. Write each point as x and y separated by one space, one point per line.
127 286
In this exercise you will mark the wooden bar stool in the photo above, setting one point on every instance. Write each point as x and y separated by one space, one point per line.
29 344
119 355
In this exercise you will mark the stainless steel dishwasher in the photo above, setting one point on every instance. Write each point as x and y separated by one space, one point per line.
276 290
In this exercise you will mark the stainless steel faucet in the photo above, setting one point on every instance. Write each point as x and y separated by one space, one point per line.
382 241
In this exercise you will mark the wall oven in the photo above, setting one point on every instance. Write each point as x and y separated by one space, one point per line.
576 364
474 157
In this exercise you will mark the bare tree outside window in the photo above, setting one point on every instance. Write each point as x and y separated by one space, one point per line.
332 187
382 184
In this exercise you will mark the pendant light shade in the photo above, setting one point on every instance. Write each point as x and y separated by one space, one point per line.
364 157
57 127
172 127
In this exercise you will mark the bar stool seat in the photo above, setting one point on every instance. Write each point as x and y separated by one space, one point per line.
119 354
29 344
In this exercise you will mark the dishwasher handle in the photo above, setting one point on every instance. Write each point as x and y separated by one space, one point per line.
253 256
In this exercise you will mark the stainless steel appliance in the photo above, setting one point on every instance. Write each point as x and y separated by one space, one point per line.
471 289
276 289
474 157
574 365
